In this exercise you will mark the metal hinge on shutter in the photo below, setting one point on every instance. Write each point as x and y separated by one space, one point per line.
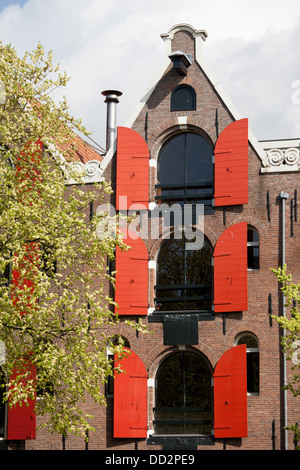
222 303
142 428
222 427
222 375
138 376
222 254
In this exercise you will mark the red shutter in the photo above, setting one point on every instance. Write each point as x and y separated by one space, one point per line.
230 394
131 282
21 420
230 270
231 165
132 171
130 398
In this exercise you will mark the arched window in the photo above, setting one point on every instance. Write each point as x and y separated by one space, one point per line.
184 276
253 247
183 395
183 98
251 342
185 170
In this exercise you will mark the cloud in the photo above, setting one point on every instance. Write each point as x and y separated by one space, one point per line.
259 75
252 48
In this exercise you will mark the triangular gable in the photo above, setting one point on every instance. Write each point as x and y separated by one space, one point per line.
199 37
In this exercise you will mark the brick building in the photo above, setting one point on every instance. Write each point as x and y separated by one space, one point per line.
209 308
210 374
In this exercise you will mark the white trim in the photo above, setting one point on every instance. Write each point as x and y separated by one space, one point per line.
108 157
151 383
153 163
152 264
152 206
182 122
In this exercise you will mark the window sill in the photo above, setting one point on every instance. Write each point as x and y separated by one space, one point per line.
174 440
160 316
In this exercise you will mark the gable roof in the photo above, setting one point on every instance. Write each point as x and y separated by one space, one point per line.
199 37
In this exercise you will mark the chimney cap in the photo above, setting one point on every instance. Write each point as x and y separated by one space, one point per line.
111 95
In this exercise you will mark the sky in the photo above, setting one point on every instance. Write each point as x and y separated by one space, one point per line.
252 47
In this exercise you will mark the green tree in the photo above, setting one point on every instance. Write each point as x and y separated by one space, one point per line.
53 265
291 324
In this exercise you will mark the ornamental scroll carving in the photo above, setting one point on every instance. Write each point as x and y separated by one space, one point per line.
283 159
90 172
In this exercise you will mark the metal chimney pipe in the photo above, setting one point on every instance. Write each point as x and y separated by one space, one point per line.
111 100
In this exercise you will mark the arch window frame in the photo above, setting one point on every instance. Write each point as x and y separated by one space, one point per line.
253 361
185 286
183 98
253 245
184 145
166 418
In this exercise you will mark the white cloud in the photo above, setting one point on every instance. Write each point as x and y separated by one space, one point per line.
252 47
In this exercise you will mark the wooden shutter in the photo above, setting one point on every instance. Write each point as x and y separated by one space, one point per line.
130 398
131 282
231 165
230 394
21 419
230 270
132 181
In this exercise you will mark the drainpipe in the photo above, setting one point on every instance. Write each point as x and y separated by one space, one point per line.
284 196
111 100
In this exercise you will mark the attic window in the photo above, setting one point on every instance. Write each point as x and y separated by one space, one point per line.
183 98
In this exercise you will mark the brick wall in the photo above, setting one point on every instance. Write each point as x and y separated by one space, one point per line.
267 406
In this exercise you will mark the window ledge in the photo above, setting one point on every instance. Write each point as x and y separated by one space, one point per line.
158 316
186 440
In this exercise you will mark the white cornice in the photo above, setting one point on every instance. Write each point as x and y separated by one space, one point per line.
281 156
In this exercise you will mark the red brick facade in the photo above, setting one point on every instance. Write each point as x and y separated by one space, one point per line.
216 336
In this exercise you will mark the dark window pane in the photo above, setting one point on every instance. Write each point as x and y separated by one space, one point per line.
252 362
183 98
171 263
253 248
198 159
171 161
253 257
252 235
185 170
249 340
184 277
198 265
183 396
252 372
